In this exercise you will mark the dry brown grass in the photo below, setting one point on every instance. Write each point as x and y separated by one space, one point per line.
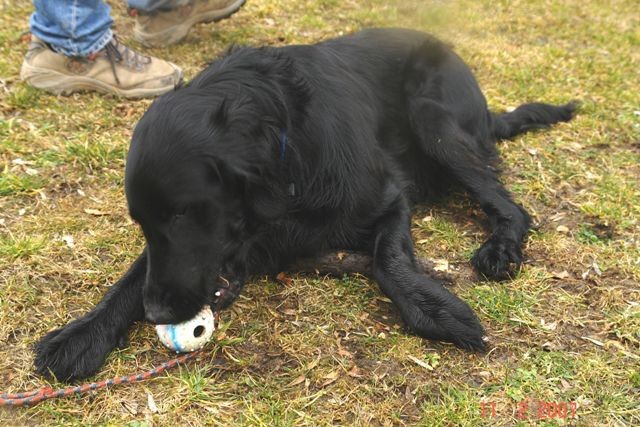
321 351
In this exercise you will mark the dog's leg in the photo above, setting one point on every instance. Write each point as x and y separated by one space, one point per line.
427 308
443 140
79 349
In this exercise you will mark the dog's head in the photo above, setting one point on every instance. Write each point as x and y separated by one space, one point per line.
181 211
199 160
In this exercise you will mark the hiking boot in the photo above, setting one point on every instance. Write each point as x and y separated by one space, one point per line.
115 69
163 28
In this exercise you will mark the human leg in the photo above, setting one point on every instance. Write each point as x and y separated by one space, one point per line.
72 28
164 22
74 49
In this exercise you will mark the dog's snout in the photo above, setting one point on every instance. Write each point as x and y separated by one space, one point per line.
157 314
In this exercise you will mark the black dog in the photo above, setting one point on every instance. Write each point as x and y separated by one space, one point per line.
272 154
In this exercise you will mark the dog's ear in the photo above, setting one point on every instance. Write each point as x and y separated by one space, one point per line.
263 197
251 166
266 202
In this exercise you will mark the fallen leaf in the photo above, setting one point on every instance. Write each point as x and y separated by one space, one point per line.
313 364
562 229
344 353
576 146
422 241
330 378
332 375
421 363
561 275
408 394
68 240
591 176
441 265
380 377
282 278
341 255
355 372
95 212
548 345
273 313
616 344
151 403
593 340
427 218
549 326
381 327
297 381
130 406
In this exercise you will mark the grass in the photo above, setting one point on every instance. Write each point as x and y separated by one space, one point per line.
323 351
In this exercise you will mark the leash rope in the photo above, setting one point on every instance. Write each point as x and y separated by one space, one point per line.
35 396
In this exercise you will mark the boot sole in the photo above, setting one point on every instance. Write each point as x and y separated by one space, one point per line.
176 33
63 84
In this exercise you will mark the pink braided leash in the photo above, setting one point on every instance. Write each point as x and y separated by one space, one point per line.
33 397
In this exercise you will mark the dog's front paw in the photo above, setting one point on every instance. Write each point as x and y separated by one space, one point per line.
76 351
498 258
440 315
227 294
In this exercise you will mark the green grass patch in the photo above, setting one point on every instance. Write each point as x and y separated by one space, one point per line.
13 247
93 153
503 304
11 183
451 405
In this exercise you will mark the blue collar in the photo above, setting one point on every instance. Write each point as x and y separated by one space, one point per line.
291 188
283 144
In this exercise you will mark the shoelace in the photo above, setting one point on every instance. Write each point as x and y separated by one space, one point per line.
116 52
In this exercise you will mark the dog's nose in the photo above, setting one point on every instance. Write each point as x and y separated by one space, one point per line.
158 315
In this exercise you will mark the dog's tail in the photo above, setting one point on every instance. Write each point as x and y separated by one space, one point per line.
526 117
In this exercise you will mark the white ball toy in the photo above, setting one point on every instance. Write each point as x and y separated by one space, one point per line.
189 335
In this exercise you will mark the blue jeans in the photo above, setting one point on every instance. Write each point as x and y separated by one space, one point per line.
82 27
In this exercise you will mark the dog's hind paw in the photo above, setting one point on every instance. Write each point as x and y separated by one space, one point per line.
498 258
75 351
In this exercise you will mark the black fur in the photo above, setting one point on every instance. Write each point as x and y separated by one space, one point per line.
276 153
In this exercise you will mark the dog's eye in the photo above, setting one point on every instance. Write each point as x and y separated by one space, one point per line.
180 213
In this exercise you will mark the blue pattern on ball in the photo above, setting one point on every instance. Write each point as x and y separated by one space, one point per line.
174 340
